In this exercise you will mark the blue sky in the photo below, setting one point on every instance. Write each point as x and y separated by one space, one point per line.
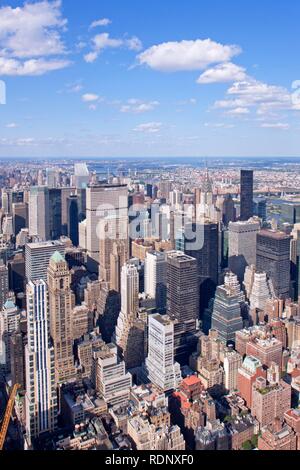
150 78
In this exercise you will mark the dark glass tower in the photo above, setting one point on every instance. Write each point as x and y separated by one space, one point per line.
207 261
55 213
183 302
73 219
273 257
246 195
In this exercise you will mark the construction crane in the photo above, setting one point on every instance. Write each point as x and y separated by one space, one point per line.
7 414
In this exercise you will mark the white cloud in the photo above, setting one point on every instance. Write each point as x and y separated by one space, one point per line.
149 127
137 106
30 34
238 111
266 100
276 125
133 44
30 67
227 72
91 57
101 22
187 55
90 97
11 125
104 41
219 125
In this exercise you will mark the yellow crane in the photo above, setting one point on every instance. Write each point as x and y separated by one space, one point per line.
7 414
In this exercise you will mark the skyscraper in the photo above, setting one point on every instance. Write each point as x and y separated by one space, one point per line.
73 219
183 301
242 246
207 258
4 287
226 314
273 257
161 368
37 257
39 223
246 195
61 303
156 277
10 317
41 399
103 202
129 334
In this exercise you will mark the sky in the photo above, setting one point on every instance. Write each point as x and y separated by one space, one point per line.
141 78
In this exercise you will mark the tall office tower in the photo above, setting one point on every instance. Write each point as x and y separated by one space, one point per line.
295 262
161 368
229 210
41 398
61 303
110 376
205 209
4 285
113 243
10 318
165 187
246 194
242 246
129 334
176 198
20 217
37 257
39 213
73 219
51 177
102 203
55 214
156 278
8 227
259 289
232 363
207 257
183 301
82 175
149 190
226 314
6 201
273 257
65 194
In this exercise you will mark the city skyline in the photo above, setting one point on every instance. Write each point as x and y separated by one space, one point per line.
109 80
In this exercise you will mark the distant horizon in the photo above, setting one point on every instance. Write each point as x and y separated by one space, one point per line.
149 78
